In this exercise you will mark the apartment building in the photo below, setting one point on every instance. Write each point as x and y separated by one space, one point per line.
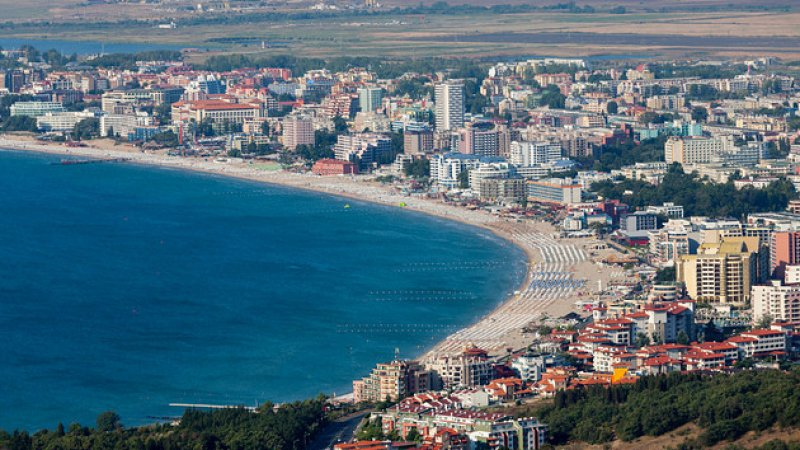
394 381
62 122
670 242
784 250
638 224
502 190
489 170
776 301
446 169
297 130
529 367
471 368
370 98
123 124
484 429
721 272
668 209
417 141
694 149
668 102
36 109
760 343
479 140
531 153
215 111
365 149
449 105
554 190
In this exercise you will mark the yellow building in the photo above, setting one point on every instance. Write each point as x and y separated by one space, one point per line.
722 271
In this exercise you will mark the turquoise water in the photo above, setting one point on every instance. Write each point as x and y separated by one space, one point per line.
126 288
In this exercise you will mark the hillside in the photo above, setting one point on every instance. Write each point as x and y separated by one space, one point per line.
691 410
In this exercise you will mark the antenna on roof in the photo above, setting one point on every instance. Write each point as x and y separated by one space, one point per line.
396 353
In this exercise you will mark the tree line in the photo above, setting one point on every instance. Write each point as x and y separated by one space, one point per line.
289 427
699 196
614 157
724 406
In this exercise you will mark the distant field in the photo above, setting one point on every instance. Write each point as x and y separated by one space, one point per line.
25 9
556 33
630 4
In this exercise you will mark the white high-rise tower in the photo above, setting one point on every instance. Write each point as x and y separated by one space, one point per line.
450 105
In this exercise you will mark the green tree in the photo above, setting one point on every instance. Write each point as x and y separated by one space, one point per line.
340 125
765 321
612 107
108 421
314 153
642 339
413 435
552 97
20 123
419 168
699 114
166 139
665 275
463 179
86 129
164 113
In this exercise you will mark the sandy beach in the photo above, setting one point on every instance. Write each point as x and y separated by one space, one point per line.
561 271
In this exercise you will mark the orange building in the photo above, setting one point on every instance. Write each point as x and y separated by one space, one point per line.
334 167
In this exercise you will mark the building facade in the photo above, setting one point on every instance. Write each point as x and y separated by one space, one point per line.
554 190
394 381
449 105
297 131
721 272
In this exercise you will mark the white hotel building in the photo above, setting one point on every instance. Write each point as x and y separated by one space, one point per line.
695 149
526 154
61 122
776 301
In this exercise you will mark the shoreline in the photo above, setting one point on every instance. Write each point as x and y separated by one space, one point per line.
306 182
498 329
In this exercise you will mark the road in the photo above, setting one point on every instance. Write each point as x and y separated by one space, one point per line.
341 430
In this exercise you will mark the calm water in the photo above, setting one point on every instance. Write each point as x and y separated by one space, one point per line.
127 288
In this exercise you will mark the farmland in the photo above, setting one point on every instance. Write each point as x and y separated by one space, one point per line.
678 29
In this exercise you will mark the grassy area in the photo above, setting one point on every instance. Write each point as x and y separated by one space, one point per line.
33 9
458 35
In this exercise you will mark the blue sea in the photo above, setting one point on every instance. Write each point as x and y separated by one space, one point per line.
126 288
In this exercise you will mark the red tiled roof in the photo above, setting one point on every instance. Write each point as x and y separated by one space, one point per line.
659 361
762 333
704 356
715 346
742 339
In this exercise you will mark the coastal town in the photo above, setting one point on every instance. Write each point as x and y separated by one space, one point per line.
657 203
